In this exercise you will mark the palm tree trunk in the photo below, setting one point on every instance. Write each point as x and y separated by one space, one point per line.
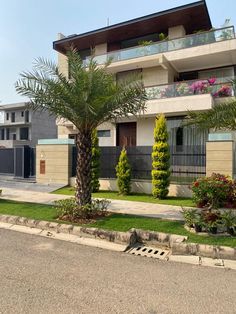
83 169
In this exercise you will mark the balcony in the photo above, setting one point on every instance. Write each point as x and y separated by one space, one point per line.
189 41
175 98
220 87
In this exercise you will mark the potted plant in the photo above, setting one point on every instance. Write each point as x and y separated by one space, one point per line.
213 226
190 216
198 223
228 219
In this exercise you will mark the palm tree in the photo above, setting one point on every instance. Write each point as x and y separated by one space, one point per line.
89 97
221 117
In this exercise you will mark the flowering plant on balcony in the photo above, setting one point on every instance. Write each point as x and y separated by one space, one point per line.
224 91
183 89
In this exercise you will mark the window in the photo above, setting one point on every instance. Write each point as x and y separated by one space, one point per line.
24 133
22 113
179 139
8 134
14 136
2 134
13 117
7 116
104 133
26 116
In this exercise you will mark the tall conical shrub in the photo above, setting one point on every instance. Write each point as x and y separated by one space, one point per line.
95 163
160 159
123 173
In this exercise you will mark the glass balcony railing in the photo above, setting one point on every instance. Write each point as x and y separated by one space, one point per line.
220 87
188 41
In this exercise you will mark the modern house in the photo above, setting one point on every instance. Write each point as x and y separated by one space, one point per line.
185 64
19 125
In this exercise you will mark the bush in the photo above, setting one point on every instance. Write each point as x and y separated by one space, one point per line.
95 163
68 209
160 159
123 173
215 191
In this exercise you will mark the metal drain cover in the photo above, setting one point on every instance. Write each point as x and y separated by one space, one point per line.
143 250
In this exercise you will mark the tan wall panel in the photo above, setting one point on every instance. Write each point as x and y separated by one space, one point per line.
57 163
219 158
154 76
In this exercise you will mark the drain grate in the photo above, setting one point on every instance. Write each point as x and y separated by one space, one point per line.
142 250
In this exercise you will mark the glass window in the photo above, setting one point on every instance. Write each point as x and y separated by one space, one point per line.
26 116
104 133
22 113
7 116
8 134
13 117
24 133
2 134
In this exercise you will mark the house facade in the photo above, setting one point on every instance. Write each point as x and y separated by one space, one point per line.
20 125
185 65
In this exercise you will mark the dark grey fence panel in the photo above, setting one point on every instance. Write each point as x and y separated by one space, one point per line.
7 161
186 162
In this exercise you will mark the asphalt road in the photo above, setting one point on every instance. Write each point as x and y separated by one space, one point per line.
40 275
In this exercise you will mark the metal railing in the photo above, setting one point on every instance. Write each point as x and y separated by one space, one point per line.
188 41
217 87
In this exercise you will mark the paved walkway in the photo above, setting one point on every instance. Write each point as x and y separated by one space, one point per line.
27 194
116 206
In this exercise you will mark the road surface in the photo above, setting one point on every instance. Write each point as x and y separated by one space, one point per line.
40 275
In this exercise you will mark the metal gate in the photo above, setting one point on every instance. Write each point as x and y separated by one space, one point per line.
18 161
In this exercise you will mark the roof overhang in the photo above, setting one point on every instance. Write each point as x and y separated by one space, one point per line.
193 16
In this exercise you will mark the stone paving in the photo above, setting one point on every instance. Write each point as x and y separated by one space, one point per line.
36 193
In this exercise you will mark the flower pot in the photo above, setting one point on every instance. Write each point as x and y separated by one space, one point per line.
213 230
198 228
230 230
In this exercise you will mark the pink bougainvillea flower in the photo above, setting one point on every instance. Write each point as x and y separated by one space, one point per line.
212 80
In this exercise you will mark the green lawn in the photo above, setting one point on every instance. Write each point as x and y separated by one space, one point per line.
117 222
29 210
178 201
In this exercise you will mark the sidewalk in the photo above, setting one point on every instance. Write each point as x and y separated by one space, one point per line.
116 206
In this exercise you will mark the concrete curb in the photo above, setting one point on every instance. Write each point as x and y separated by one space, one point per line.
128 238
172 241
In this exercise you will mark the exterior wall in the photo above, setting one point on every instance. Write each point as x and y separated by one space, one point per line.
142 186
176 32
145 129
58 163
43 126
13 143
154 76
179 105
108 141
100 49
219 157
62 59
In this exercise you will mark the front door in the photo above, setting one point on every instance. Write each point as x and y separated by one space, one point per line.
126 134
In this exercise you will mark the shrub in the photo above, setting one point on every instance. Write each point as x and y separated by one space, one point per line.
214 191
95 163
123 173
160 159
68 209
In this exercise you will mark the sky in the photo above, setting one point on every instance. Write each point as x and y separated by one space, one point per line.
28 28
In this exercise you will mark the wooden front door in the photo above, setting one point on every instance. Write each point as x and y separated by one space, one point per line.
126 134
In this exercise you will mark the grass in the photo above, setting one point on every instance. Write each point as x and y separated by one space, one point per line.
117 222
29 210
137 197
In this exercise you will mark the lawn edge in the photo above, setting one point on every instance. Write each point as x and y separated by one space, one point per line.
176 243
